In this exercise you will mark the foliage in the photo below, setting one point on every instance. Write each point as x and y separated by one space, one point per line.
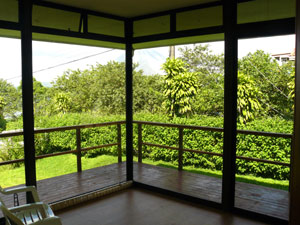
271 79
2 120
180 88
209 68
276 149
247 104
40 97
194 83
11 149
11 98
101 88
200 59
75 91
66 140
62 103
2 123
291 85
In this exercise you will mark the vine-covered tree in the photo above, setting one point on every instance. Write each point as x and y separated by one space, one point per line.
209 68
180 87
248 105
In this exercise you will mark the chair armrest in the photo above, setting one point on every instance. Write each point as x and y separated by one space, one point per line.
31 189
36 205
45 209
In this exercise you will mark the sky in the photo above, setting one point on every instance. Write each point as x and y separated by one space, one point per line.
50 60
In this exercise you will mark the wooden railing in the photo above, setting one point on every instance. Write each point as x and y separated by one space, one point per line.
180 148
78 149
141 143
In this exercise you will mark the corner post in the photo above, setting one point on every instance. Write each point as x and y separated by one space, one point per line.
129 100
230 103
25 19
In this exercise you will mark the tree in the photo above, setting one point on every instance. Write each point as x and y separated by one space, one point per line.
62 103
248 105
148 93
101 88
40 98
272 80
79 88
209 68
12 99
180 87
2 120
199 58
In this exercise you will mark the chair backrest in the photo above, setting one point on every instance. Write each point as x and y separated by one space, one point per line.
10 217
1 191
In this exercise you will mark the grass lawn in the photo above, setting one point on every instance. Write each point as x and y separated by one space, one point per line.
65 164
52 167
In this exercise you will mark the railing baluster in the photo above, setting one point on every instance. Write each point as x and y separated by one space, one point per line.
119 143
140 143
78 149
180 150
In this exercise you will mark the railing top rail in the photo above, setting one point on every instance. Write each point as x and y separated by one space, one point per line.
193 127
216 129
263 133
83 126
11 134
48 130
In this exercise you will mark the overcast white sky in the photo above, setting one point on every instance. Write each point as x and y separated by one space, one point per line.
46 55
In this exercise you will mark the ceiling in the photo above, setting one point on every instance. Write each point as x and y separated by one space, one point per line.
130 8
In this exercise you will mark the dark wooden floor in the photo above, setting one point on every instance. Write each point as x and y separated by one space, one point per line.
140 207
265 200
256 198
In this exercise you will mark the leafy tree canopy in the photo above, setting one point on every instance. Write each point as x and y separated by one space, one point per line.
180 88
11 103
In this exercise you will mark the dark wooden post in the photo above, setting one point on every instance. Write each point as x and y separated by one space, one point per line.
129 100
180 146
230 103
25 18
78 142
295 156
140 143
119 143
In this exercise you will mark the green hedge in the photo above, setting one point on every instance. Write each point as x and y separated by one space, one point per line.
277 149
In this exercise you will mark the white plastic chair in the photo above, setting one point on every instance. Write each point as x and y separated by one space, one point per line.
36 213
